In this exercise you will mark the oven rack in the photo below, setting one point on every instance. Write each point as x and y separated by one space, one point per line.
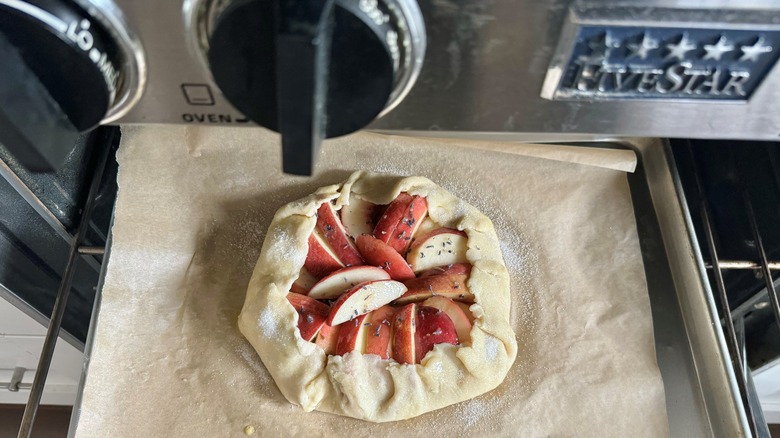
55 321
734 324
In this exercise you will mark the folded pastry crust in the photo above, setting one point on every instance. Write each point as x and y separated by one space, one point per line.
365 386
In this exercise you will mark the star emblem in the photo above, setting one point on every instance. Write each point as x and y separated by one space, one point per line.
680 49
602 45
716 51
752 53
643 48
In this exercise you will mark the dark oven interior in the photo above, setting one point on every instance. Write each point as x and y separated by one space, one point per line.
41 215
739 183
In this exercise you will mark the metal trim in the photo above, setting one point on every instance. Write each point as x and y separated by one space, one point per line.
134 69
39 317
689 274
418 42
35 11
90 342
50 341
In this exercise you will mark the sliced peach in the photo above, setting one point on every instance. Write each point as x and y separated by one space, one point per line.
330 227
452 286
304 282
466 308
427 225
404 349
441 247
379 332
311 314
338 282
400 238
328 338
352 336
357 216
392 215
321 260
433 327
364 298
455 268
456 314
378 253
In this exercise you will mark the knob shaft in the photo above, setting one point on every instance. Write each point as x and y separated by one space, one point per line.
309 69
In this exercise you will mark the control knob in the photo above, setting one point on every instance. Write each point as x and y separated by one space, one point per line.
311 69
63 72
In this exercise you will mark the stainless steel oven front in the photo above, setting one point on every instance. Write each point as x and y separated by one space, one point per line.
553 70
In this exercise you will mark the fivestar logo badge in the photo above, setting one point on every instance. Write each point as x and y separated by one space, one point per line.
670 63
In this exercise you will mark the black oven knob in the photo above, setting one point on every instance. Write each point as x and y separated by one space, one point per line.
60 73
313 69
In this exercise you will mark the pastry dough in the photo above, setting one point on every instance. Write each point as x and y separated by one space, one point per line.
365 386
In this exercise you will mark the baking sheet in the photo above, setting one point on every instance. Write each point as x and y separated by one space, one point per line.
190 218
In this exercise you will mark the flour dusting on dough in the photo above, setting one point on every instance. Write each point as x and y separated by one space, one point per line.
287 252
491 347
268 322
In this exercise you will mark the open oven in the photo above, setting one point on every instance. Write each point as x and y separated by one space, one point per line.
651 77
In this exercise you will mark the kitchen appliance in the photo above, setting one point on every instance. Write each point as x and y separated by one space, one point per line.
562 71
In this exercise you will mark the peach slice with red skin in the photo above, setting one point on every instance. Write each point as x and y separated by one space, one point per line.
364 298
358 216
392 215
404 327
451 286
361 319
378 253
399 235
330 227
337 282
352 336
311 314
427 225
327 338
466 308
321 260
304 282
441 247
379 332
459 318
433 327
455 268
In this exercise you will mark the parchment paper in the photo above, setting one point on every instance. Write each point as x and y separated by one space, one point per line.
190 219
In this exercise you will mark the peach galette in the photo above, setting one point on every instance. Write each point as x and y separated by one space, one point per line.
380 298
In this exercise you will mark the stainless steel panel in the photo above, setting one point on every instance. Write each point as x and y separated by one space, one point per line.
484 70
